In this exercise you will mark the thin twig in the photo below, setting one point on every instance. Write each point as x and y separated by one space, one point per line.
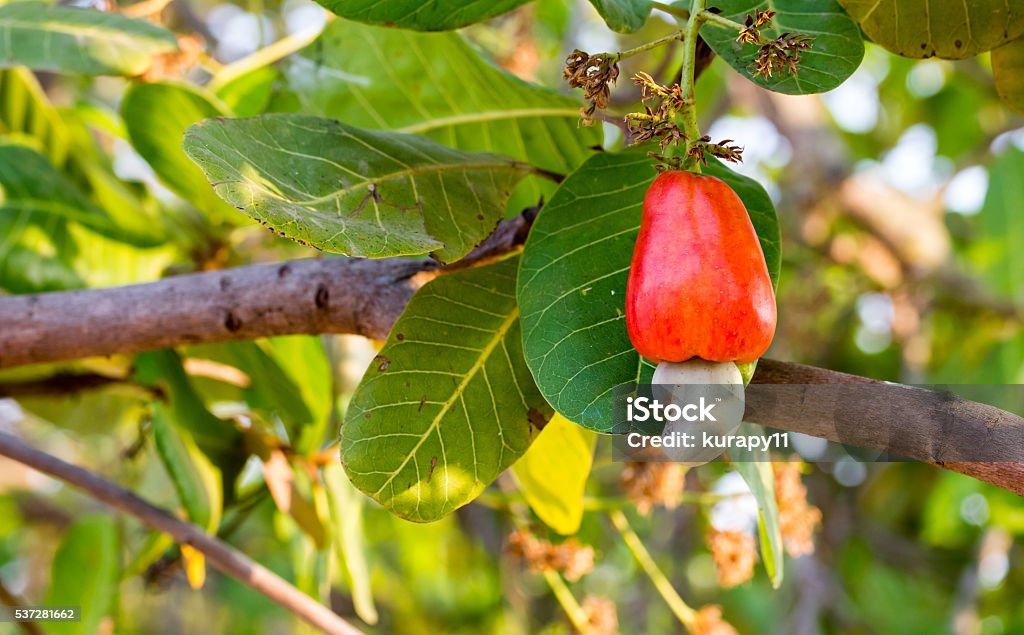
219 554
572 608
686 615
264 57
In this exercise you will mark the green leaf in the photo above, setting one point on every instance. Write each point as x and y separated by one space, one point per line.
354 191
756 469
46 37
305 362
26 114
156 116
938 28
271 389
421 15
219 440
349 540
572 283
624 16
42 213
996 253
196 480
248 94
434 84
553 473
448 403
85 573
836 52
32 191
1008 70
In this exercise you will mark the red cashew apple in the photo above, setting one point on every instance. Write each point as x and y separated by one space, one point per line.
699 299
698 285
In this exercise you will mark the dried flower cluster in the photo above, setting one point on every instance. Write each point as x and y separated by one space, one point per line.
734 553
602 618
658 123
569 558
775 55
751 31
724 149
594 74
797 518
781 54
709 622
649 485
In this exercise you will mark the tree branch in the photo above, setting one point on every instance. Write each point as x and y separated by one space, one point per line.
365 297
324 295
977 424
219 554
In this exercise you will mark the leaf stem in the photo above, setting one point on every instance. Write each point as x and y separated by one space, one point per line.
567 600
717 20
264 57
682 14
621 55
689 113
686 615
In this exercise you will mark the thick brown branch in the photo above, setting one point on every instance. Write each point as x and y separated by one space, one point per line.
324 295
219 554
340 295
977 424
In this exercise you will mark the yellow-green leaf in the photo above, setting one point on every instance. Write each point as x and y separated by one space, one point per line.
553 473
950 29
1008 69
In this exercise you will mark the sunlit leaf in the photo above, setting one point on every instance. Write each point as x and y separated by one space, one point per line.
48 37
353 191
951 29
1008 69
436 85
448 403
26 111
553 473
